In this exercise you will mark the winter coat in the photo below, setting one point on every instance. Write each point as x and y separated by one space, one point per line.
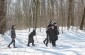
56 33
49 26
13 35
31 35
52 33
56 30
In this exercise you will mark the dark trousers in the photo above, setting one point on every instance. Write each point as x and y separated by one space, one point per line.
53 43
31 40
47 40
13 41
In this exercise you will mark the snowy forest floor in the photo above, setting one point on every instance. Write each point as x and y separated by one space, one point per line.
69 43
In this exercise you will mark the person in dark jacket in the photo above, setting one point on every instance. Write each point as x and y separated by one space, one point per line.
13 36
56 33
48 32
49 26
30 38
51 35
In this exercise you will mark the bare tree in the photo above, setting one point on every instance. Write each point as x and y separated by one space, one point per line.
70 14
83 20
2 17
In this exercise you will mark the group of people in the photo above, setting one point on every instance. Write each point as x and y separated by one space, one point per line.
52 34
51 31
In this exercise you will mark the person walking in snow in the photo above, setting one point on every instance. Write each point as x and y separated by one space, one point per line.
13 36
52 34
48 27
30 38
56 33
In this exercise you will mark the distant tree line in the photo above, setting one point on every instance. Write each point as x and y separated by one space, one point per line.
38 13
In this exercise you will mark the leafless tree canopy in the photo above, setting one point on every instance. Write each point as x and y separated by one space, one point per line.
38 13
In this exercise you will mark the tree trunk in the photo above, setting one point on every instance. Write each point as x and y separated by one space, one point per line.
83 20
2 17
70 14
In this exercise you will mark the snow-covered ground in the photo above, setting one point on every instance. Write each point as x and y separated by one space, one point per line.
70 42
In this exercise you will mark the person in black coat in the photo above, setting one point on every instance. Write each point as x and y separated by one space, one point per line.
49 26
56 33
13 36
52 35
30 38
